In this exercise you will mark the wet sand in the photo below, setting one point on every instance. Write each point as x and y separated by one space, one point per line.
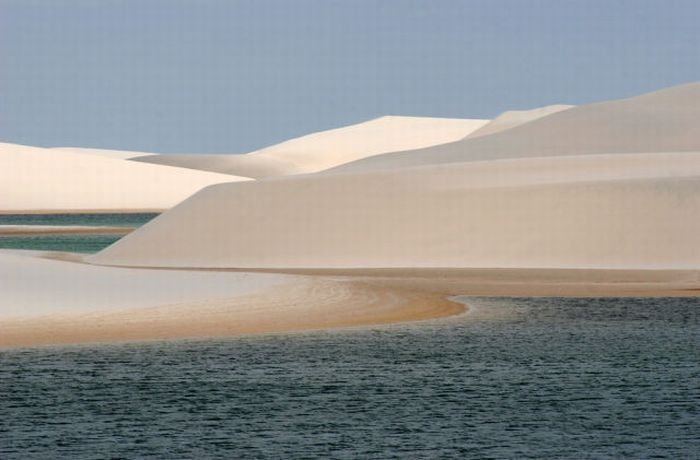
295 300
312 305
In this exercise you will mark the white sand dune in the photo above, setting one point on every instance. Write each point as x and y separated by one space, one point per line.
326 149
37 179
661 121
119 154
247 165
589 211
513 118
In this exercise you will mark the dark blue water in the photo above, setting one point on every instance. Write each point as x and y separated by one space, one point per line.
71 243
513 379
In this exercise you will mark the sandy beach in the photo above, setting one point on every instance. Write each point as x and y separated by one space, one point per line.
88 304
80 303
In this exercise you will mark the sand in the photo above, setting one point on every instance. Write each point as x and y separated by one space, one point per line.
513 118
613 185
248 165
326 149
589 211
661 121
80 303
117 154
53 179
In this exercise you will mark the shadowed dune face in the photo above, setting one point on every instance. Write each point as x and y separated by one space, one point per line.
254 166
662 121
325 149
291 157
513 118
55 179
596 211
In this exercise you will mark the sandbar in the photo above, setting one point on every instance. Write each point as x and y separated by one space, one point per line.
94 304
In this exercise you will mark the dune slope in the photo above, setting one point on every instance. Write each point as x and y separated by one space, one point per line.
248 165
663 121
120 154
591 211
326 149
513 118
33 179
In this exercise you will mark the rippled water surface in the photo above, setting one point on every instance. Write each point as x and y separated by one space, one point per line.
522 378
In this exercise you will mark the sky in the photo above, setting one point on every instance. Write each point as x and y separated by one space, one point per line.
233 76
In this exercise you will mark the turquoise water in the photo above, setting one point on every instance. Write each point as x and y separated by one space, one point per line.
102 220
70 243
513 379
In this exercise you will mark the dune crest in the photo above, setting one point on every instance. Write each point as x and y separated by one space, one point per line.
594 211
56 180
662 121
513 118
322 150
117 154
247 165
555 192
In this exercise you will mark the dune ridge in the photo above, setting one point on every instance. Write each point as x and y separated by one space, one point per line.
322 150
512 118
594 211
56 180
248 165
662 121
116 154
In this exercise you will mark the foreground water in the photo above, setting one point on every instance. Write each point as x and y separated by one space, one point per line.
71 243
520 378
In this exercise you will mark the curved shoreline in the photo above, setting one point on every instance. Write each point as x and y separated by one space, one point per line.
313 304
87 303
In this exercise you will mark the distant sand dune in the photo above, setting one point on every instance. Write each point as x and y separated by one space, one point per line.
57 180
325 149
662 121
513 118
249 165
117 154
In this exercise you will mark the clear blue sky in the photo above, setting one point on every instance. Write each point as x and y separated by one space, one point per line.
232 76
